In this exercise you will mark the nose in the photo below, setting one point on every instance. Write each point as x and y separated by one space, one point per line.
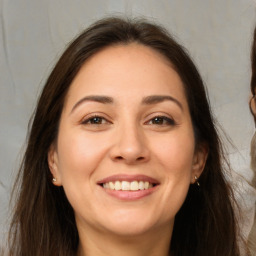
130 146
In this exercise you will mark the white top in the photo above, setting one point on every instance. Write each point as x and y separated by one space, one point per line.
243 180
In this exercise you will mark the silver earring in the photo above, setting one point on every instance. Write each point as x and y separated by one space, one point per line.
54 180
197 182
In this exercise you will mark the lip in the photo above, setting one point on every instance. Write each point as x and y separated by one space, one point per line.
129 195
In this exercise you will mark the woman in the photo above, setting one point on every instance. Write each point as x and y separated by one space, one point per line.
123 157
252 236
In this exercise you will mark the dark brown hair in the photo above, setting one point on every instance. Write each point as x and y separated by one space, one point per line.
253 63
253 77
43 221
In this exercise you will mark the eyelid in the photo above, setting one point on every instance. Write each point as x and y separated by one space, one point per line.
169 121
165 116
90 116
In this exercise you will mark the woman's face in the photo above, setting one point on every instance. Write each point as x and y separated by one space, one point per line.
125 153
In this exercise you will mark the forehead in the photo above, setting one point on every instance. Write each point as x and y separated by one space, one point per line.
131 70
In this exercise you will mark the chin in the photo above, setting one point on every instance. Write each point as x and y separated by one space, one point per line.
133 223
129 229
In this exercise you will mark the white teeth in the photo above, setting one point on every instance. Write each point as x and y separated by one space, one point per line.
125 185
106 185
111 185
141 185
128 186
134 185
118 185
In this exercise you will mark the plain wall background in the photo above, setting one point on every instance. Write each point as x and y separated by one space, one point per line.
33 34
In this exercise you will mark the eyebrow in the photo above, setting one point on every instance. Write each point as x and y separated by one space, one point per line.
95 98
149 100
154 99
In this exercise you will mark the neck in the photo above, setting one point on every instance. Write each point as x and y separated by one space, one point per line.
152 243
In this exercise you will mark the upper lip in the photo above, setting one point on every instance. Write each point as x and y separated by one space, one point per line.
129 178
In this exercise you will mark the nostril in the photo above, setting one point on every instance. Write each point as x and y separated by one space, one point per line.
141 158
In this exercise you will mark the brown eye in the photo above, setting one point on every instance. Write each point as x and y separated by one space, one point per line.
162 120
95 120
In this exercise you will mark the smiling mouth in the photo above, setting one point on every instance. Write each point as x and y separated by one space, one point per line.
128 186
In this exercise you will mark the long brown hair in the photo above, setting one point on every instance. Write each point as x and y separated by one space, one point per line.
43 221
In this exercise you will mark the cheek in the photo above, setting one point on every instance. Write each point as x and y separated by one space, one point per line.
175 156
175 152
78 158
79 155
177 161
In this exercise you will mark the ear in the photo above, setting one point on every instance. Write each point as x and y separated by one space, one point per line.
199 161
54 166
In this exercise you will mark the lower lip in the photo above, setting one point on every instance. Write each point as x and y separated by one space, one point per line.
130 195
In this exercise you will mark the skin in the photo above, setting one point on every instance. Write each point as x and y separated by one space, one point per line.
132 135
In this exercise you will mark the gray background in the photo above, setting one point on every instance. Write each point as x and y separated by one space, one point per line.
34 33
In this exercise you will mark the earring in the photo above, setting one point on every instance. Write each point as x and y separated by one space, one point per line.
54 180
196 181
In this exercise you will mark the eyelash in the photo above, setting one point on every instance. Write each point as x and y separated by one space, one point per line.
160 121
93 118
164 121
